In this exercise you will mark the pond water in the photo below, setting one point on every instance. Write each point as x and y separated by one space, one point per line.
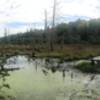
49 79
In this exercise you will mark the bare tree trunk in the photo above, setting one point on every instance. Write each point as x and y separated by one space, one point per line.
62 42
46 23
5 34
54 14
53 26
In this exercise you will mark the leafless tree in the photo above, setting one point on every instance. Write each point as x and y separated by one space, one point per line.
54 13
46 23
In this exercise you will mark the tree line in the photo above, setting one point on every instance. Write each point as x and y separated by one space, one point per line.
80 31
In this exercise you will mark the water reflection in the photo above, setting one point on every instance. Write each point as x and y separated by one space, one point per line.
63 74
4 73
45 72
51 75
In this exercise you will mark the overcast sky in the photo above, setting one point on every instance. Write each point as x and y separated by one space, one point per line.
19 15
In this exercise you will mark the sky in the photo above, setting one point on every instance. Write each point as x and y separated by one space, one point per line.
21 15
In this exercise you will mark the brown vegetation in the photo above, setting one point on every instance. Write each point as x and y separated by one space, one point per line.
69 51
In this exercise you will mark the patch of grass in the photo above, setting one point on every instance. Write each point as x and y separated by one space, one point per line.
87 67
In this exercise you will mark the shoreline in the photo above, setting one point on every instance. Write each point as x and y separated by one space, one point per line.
69 52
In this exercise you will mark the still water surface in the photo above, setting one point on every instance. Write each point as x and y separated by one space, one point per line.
50 79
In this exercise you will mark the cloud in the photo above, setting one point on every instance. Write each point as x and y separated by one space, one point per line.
86 8
69 18
18 14
33 10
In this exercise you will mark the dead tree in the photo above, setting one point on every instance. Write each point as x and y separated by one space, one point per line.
46 23
53 26
54 14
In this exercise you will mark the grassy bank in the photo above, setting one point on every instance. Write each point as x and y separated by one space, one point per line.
69 51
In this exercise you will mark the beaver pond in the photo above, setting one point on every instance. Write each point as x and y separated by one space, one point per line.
47 79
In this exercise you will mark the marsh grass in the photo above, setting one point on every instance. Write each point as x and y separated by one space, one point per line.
69 51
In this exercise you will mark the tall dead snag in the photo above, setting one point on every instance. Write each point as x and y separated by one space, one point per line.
54 14
46 23
6 34
53 26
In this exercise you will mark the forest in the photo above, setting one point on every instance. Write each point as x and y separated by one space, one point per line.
73 40
80 31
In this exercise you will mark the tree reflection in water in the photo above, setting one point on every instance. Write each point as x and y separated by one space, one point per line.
4 73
